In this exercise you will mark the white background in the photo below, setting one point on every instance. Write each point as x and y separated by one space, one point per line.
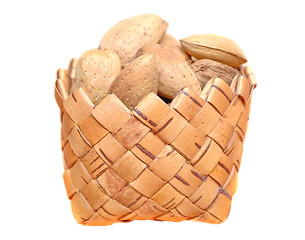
37 37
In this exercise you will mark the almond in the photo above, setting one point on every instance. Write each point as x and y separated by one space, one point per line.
174 73
126 37
217 48
95 72
171 42
205 69
136 80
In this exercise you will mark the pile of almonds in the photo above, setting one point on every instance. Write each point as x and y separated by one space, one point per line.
137 56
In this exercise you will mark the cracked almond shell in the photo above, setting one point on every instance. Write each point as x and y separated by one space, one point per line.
214 47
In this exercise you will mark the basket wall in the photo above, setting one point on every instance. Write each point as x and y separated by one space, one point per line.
169 162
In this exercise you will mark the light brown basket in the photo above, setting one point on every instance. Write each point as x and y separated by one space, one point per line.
166 162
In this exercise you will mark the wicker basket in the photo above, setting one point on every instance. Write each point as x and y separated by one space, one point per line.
166 162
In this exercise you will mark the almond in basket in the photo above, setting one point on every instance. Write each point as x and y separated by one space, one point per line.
136 80
174 72
171 42
95 72
206 69
214 47
126 37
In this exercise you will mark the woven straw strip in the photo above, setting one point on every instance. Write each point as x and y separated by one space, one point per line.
168 162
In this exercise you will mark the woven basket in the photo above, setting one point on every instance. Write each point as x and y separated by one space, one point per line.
166 162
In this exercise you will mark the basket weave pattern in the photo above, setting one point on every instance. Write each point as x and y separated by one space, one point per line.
168 162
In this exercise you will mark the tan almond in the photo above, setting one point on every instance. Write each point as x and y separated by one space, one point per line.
126 37
171 42
95 72
174 73
136 80
205 69
214 47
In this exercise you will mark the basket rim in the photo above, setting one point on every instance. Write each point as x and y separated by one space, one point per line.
64 82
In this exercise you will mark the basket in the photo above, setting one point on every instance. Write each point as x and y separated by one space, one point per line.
165 162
